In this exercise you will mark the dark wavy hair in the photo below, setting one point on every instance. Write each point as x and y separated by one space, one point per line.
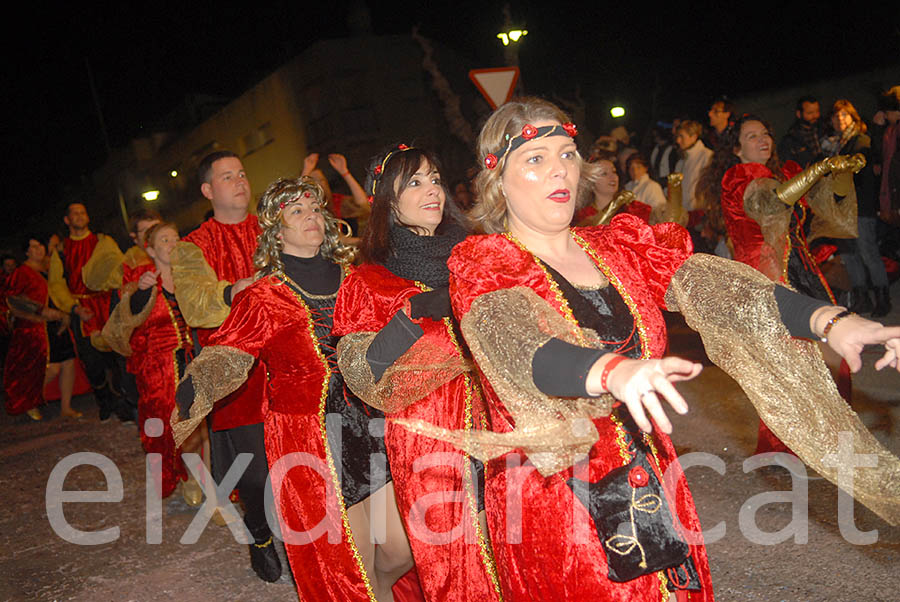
709 187
393 179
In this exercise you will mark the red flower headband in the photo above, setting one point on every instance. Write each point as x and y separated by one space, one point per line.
284 204
529 132
379 169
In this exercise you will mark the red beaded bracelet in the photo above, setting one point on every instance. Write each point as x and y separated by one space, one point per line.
608 368
837 318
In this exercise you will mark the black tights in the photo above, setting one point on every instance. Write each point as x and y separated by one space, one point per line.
225 447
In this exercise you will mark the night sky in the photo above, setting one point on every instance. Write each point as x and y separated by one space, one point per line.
145 60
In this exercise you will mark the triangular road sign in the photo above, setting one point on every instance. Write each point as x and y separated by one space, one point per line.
495 84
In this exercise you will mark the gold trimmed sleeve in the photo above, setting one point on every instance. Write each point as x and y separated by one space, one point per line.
57 285
733 308
420 370
121 323
199 292
216 373
103 271
504 329
834 206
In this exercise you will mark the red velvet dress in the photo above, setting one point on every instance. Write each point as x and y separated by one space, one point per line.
75 254
451 566
161 347
228 249
747 237
549 564
29 351
790 263
272 323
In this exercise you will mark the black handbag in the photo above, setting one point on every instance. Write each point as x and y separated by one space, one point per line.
633 520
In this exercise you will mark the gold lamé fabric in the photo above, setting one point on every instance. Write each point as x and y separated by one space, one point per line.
413 376
103 271
504 329
674 211
217 372
121 324
833 217
200 293
784 378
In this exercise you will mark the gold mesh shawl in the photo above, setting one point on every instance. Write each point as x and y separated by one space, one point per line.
216 373
504 329
199 292
733 308
422 369
121 324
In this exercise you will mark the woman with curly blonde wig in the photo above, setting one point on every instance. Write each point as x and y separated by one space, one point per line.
284 321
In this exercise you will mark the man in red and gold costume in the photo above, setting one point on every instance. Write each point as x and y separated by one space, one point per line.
76 278
210 266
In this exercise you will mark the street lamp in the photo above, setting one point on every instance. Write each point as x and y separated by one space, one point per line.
174 173
150 195
513 35
617 112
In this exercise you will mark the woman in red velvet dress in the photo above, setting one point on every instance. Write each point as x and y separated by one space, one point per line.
768 209
26 360
159 346
401 353
326 457
563 323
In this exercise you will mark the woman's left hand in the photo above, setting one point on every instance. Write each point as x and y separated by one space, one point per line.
850 335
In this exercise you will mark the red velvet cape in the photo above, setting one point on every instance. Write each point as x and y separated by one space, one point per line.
155 368
452 569
273 324
547 564
228 249
75 254
29 349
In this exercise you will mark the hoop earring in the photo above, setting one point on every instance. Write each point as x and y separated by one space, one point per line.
344 229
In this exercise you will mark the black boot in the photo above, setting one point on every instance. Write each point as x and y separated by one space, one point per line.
882 302
858 300
264 560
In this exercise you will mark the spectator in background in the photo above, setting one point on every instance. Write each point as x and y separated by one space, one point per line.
696 157
353 209
664 155
645 190
886 142
801 142
721 114
860 254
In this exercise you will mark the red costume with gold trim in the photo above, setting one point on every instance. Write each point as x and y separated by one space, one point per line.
273 324
228 249
461 568
746 234
161 347
750 247
76 253
29 350
548 563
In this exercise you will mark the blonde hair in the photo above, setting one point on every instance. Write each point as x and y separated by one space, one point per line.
278 195
489 212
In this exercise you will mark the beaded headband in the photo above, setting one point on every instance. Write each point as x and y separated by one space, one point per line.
379 169
529 132
306 195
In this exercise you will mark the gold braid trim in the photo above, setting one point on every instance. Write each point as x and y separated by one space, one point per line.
733 308
121 324
216 373
414 375
323 432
